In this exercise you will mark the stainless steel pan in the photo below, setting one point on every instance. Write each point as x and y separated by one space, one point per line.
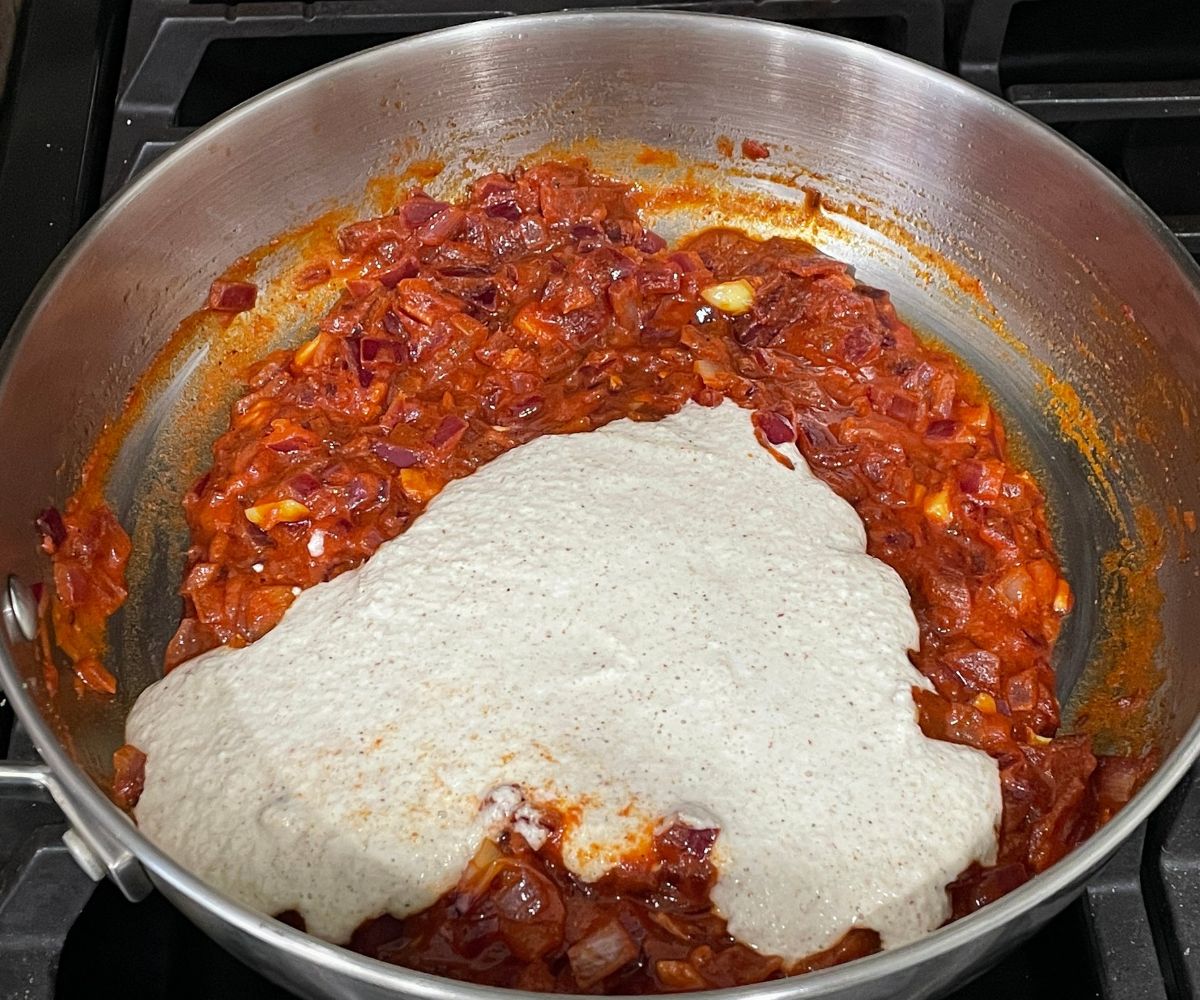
991 232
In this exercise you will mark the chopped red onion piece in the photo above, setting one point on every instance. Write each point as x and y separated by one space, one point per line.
232 296
532 233
858 344
371 349
754 334
304 485
686 261
817 432
902 408
391 323
919 377
311 276
601 952
499 199
942 429
658 278
451 429
50 523
360 288
441 226
393 454
528 407
407 267
494 188
353 348
289 444
357 493
693 840
507 210
651 242
776 428
970 476
486 296
420 209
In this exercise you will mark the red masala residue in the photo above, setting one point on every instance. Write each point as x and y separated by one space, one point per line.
1119 707
129 775
645 927
752 149
653 156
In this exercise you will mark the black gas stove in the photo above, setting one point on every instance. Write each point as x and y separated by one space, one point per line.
98 90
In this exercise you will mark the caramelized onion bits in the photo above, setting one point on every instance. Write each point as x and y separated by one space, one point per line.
95 675
978 886
889 423
129 775
518 918
530 912
393 454
650 242
679 975
360 288
605 948
420 208
49 524
89 556
691 841
441 227
448 433
232 296
775 427
392 276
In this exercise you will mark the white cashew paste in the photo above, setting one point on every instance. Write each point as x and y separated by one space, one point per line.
646 621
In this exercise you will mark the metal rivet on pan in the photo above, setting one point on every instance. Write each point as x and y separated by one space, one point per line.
19 611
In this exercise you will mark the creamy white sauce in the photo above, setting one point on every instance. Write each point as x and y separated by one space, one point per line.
646 621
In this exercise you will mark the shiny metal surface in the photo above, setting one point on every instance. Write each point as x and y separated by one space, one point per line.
1082 280
25 781
19 611
95 850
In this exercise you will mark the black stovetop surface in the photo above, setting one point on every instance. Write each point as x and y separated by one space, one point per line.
98 90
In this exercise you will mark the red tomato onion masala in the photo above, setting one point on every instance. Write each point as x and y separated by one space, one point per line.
740 668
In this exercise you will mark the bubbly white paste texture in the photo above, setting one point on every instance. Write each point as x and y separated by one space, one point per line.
649 620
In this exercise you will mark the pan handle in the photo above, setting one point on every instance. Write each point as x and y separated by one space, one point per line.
28 782
97 853
94 849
